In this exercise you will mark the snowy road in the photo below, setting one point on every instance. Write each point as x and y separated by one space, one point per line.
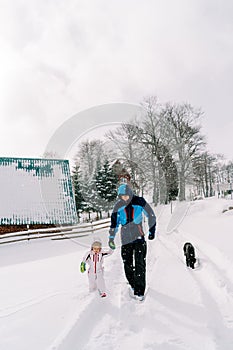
44 303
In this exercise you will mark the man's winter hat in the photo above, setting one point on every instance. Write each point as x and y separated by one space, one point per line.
124 190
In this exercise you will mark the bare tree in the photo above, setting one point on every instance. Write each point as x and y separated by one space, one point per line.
51 155
151 135
128 151
182 131
146 155
206 170
89 154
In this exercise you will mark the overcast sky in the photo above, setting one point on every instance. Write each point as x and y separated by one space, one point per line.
59 57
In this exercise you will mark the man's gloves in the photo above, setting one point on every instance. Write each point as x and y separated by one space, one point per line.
111 243
83 266
151 235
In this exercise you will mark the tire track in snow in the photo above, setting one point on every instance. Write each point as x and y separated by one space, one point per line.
217 275
122 324
171 321
168 224
86 324
79 330
118 315
220 275
219 284
13 309
217 321
220 272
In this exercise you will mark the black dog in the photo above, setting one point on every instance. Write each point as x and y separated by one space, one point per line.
189 253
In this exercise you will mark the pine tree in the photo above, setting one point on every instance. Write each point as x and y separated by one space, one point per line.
99 190
106 183
76 182
96 191
88 195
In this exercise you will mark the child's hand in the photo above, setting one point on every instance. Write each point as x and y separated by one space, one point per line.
83 266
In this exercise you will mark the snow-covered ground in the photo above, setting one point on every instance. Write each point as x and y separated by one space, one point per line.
45 305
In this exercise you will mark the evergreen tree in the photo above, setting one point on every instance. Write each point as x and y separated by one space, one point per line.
88 195
76 178
106 184
96 191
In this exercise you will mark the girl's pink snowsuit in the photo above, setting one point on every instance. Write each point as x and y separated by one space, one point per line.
96 269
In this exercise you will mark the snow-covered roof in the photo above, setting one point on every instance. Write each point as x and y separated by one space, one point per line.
36 191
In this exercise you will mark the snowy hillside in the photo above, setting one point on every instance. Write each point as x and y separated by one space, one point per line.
45 305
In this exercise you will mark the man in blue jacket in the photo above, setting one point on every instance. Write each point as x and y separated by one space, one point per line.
127 212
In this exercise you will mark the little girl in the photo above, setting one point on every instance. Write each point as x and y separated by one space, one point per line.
94 258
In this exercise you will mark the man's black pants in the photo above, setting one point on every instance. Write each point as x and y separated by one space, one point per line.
134 259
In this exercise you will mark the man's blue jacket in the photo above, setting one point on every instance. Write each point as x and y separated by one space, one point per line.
129 216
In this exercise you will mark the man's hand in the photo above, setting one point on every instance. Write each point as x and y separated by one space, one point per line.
151 235
111 243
